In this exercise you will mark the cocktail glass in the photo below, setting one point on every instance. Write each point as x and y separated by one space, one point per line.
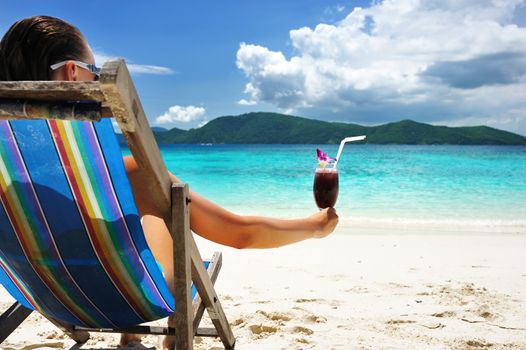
325 187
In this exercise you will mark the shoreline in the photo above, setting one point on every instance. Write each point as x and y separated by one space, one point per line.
432 226
358 290
395 225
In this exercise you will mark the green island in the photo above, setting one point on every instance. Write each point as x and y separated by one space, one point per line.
275 128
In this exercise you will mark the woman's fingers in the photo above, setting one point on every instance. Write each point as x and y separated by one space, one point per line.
327 220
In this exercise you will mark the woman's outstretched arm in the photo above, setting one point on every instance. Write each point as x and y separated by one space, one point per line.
217 224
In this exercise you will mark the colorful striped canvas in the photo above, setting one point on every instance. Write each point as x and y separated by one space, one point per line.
71 243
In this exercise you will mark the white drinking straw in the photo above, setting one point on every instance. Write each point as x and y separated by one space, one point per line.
344 141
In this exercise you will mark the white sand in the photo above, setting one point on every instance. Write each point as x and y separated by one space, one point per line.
367 291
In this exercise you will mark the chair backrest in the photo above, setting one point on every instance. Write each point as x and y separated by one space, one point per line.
71 243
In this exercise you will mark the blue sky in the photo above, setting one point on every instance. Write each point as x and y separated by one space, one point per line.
442 62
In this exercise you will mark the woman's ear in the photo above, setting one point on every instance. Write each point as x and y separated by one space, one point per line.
70 71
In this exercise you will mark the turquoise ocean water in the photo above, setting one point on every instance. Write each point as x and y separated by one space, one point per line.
463 186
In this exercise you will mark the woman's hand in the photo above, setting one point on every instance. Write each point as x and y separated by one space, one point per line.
325 221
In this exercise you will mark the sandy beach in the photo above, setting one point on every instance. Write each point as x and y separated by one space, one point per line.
372 290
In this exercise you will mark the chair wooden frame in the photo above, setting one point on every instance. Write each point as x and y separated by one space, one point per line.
115 96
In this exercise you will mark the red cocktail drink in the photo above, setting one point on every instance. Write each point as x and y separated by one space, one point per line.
326 176
325 187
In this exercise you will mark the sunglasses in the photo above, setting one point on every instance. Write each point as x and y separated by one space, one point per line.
89 67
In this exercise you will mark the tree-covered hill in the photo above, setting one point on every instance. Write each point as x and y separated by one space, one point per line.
268 128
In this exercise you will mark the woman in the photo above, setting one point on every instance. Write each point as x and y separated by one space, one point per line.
47 48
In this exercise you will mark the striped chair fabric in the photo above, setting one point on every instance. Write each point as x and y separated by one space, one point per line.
71 242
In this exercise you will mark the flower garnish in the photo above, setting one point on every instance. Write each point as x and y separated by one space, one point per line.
323 158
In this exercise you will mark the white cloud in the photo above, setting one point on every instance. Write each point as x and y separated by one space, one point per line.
203 123
437 60
184 114
100 58
244 102
148 69
330 13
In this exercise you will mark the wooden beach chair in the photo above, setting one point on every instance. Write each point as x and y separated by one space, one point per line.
71 243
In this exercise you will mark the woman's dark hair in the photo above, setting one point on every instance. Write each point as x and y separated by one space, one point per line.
32 44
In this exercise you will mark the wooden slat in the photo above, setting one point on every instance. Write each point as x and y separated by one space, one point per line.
33 109
11 319
52 90
79 336
148 330
206 332
182 273
122 98
206 290
213 271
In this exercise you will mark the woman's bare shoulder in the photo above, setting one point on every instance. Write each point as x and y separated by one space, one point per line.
130 164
